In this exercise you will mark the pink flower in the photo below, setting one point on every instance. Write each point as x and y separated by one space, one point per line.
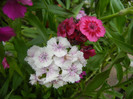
66 27
88 51
81 76
14 10
77 37
4 63
80 14
6 33
26 2
92 28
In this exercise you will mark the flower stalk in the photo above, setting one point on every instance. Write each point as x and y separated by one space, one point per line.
120 13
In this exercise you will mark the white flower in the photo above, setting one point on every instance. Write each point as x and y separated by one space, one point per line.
81 58
43 57
63 61
57 64
56 83
71 74
58 46
31 62
51 72
32 50
33 79
68 59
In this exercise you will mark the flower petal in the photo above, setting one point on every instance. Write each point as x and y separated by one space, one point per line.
6 33
4 63
32 50
26 2
14 10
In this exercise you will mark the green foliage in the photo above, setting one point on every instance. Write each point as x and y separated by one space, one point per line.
40 24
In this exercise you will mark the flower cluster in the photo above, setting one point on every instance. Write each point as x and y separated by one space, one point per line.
56 64
78 31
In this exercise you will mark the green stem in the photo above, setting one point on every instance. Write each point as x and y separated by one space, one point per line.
90 76
109 16
120 13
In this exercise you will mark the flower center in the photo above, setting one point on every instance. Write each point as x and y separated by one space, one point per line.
92 26
58 47
72 70
43 57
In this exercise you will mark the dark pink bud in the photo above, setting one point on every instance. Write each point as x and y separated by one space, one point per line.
88 51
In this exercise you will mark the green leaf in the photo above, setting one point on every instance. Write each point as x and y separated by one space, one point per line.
15 97
2 55
17 80
16 25
116 6
52 8
77 9
8 96
112 32
126 62
61 3
35 41
29 32
40 27
130 33
2 52
47 96
124 46
67 4
115 93
21 49
14 67
129 92
97 81
119 58
95 61
58 10
4 89
119 72
101 6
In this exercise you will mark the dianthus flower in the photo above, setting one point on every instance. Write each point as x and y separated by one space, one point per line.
6 33
81 14
14 10
92 28
56 64
66 27
4 63
88 51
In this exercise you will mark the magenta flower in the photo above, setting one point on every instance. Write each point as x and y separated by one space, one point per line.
14 10
81 76
92 28
88 51
26 2
6 33
4 63
77 37
66 27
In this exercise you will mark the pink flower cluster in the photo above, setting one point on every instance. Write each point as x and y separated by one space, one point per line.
79 31
87 27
